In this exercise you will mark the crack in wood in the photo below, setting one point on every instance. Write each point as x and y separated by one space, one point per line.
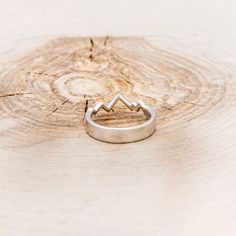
86 106
13 94
106 40
91 49
63 103
42 73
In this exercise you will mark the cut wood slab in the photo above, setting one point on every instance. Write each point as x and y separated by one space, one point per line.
56 180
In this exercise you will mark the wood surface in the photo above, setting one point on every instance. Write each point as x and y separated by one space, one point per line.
57 58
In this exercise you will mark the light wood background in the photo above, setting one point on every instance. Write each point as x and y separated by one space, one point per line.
57 58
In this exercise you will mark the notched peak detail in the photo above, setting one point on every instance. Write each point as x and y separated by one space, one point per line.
108 107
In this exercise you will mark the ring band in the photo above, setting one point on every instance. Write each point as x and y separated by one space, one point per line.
124 134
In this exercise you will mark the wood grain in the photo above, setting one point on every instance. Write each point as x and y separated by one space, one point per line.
54 166
51 87
56 180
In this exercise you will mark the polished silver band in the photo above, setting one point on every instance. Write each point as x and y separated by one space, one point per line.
121 135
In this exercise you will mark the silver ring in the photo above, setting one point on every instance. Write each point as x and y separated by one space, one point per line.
121 135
